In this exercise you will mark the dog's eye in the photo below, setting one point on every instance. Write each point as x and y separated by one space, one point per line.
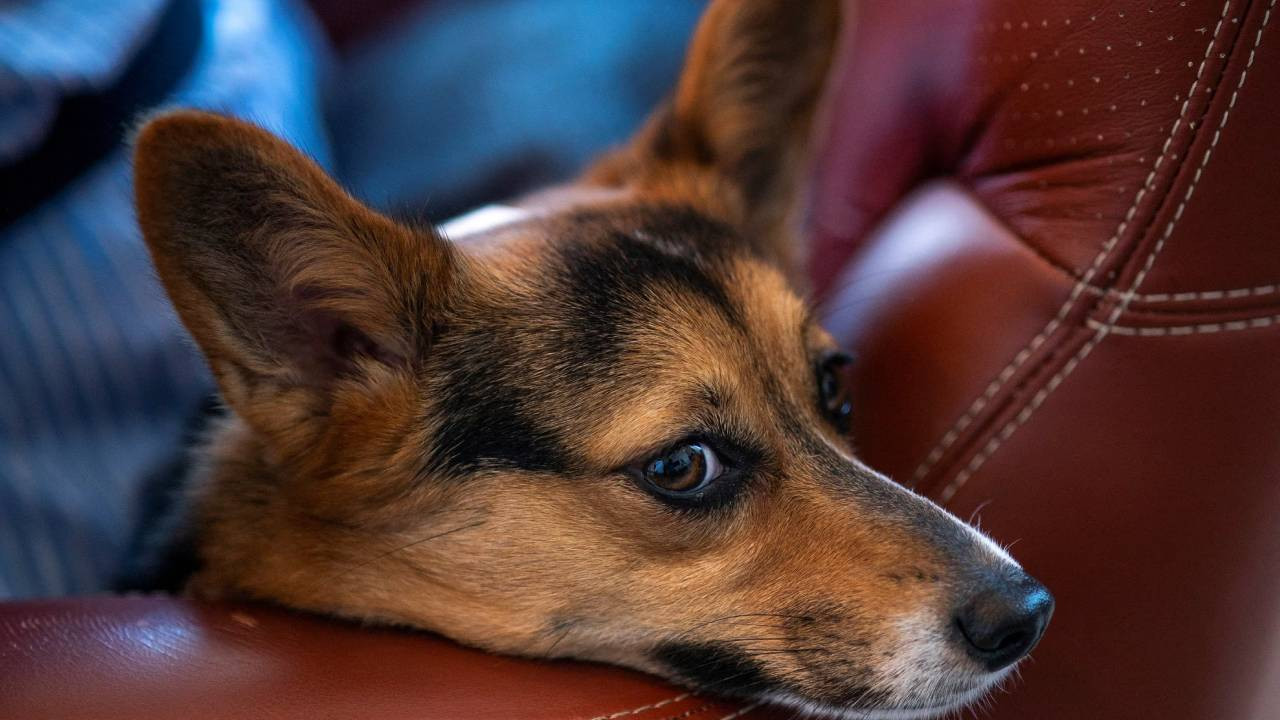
685 469
833 391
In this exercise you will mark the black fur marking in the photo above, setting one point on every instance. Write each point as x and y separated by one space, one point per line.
606 285
486 423
568 341
858 696
623 271
715 667
683 226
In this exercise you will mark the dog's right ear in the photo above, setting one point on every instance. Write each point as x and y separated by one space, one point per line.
742 114
292 289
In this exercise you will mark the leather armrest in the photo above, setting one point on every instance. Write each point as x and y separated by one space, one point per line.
159 657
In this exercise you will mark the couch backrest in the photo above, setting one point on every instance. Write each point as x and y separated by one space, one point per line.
1051 232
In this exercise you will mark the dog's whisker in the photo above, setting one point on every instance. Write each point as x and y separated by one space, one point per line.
784 651
973 516
727 618
406 546
559 638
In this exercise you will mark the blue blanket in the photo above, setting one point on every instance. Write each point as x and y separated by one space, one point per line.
97 377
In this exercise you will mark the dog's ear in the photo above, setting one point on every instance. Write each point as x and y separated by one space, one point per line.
293 290
744 105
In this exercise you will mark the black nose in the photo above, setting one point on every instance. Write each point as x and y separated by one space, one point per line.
1004 620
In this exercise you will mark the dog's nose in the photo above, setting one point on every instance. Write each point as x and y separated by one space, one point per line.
1005 619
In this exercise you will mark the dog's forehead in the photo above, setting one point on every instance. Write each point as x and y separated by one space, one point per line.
600 308
620 261
615 265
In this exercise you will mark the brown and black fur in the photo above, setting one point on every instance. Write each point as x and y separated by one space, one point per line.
448 436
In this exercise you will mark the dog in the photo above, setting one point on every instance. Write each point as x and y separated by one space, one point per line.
600 424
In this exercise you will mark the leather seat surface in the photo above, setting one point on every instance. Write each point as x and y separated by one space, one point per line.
111 658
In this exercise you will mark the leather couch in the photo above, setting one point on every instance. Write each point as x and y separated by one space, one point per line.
1051 233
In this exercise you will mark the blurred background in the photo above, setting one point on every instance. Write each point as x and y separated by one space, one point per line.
422 108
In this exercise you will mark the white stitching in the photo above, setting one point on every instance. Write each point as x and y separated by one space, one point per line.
698 710
644 708
1202 328
1103 329
1210 294
1230 294
1105 252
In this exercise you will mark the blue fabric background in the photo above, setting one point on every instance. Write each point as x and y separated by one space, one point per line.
97 377
457 104
468 101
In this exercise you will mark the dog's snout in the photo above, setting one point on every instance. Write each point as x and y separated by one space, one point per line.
1004 620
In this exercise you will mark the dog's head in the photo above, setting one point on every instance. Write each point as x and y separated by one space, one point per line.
606 428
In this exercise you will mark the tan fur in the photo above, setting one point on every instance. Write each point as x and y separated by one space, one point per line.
318 492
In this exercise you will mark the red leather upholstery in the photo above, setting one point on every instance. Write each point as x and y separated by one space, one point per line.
157 658
1050 232
1049 229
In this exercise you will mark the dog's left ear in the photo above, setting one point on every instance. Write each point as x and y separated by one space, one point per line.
744 107
300 297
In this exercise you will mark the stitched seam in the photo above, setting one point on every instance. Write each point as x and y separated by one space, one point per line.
1229 294
1210 294
1201 328
994 443
1155 314
690 712
644 708
993 387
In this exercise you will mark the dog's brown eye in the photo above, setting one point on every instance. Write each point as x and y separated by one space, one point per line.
687 468
833 391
